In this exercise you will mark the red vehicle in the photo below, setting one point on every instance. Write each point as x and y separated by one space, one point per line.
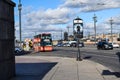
43 42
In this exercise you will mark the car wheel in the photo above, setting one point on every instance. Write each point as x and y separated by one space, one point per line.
16 51
98 48
103 47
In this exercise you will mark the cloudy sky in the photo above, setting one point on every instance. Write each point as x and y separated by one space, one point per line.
54 16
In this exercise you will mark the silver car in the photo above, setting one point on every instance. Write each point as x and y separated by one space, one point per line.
115 45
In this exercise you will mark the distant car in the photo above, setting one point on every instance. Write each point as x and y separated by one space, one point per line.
66 45
73 45
81 44
104 45
115 45
18 50
59 45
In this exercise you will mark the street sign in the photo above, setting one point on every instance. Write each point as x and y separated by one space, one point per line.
78 27
78 21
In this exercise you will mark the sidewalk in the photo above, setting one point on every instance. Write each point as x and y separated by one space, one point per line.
59 68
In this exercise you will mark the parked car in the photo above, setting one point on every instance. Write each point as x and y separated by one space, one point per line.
115 45
104 45
18 50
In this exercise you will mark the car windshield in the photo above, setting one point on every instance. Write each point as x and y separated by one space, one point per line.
105 43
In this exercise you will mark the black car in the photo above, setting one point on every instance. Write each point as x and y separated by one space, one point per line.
104 45
73 45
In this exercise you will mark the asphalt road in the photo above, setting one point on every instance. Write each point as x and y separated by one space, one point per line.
105 57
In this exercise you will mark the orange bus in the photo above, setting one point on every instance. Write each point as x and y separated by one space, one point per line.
43 42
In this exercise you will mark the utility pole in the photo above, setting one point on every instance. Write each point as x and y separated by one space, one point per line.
95 20
61 34
111 23
20 8
68 29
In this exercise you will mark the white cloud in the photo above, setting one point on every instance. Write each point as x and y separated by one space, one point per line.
43 20
91 5
50 16
49 20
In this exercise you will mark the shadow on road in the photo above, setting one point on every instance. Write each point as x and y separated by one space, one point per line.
118 54
87 57
23 53
32 71
107 72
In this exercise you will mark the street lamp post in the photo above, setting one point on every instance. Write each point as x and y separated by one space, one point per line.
78 33
79 58
111 23
95 20
20 8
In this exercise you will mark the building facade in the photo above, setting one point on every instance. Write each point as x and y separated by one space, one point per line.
7 58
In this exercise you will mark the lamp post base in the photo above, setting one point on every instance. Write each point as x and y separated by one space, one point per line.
79 59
